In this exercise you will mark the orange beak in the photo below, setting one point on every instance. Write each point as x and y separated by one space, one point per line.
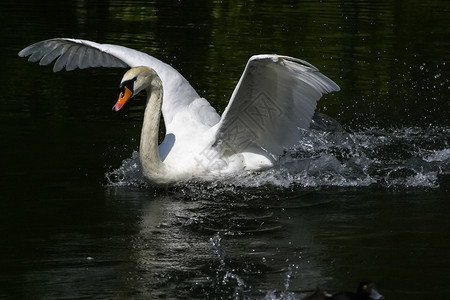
123 97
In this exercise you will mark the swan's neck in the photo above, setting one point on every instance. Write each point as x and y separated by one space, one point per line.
152 166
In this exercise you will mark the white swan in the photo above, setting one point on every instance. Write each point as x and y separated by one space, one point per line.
275 97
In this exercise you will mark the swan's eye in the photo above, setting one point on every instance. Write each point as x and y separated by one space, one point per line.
127 84
122 91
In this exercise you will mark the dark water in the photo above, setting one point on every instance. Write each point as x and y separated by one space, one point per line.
365 201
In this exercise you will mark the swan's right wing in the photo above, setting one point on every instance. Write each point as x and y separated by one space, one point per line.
72 54
179 96
275 97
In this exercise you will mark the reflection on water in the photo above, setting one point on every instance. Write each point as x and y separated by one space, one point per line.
218 247
365 200
245 243
272 242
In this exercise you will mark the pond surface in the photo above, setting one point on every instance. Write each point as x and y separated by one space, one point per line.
366 199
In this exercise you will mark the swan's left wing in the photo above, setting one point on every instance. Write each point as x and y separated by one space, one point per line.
275 97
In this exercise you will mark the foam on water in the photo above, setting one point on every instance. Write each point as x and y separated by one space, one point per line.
328 156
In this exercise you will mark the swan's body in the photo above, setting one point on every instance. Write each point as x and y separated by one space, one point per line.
275 97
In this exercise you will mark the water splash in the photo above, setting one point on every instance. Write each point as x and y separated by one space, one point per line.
128 174
328 156
226 278
286 294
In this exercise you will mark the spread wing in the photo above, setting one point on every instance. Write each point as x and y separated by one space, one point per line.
72 54
179 96
275 97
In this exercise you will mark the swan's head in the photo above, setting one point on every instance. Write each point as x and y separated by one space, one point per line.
134 81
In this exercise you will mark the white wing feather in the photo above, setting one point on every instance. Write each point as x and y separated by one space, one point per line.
275 97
